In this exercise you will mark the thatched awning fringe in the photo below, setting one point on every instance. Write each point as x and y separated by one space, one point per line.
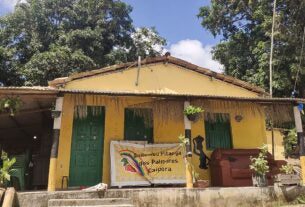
169 109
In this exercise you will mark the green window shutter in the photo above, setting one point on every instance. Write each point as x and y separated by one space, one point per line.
138 125
218 132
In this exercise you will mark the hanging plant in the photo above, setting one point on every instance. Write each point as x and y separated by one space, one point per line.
10 105
192 112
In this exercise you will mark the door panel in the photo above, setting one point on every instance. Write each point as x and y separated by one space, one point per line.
87 149
218 132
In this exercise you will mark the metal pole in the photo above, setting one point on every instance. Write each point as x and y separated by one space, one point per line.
272 137
271 50
138 71
270 69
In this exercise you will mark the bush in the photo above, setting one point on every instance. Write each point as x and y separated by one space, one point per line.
290 142
287 169
5 169
260 164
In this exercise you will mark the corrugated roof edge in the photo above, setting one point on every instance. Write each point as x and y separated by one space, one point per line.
27 90
54 91
169 59
158 94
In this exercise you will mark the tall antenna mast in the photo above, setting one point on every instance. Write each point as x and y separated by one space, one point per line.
271 51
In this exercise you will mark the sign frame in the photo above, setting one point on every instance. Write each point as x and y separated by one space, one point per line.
119 184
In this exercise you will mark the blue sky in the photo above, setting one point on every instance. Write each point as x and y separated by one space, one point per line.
175 20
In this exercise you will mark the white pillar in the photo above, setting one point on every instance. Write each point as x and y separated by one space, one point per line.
187 131
299 128
55 142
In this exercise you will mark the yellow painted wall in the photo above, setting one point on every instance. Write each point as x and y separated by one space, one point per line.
166 78
249 133
278 143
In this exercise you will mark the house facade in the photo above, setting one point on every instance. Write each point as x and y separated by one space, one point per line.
144 101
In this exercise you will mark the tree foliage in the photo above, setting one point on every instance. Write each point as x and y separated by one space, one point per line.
290 142
45 39
245 50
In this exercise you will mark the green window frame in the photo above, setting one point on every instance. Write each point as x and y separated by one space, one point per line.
218 131
138 124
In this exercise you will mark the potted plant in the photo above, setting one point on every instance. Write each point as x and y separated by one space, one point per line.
192 112
287 176
260 167
10 104
6 169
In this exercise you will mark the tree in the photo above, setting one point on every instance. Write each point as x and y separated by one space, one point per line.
245 26
45 39
146 42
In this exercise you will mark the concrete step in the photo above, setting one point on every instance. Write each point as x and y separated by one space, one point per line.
119 205
124 202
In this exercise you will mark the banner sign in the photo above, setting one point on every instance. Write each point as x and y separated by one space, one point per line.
146 164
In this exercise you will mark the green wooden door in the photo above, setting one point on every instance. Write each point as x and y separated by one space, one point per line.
87 149
218 132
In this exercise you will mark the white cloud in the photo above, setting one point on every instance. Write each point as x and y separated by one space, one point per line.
193 51
8 5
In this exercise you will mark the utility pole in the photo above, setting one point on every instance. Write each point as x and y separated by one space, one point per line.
271 50
270 71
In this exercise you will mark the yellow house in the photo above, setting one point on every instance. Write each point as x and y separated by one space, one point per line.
114 103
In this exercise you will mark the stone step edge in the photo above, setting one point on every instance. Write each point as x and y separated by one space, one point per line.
116 205
87 199
89 202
